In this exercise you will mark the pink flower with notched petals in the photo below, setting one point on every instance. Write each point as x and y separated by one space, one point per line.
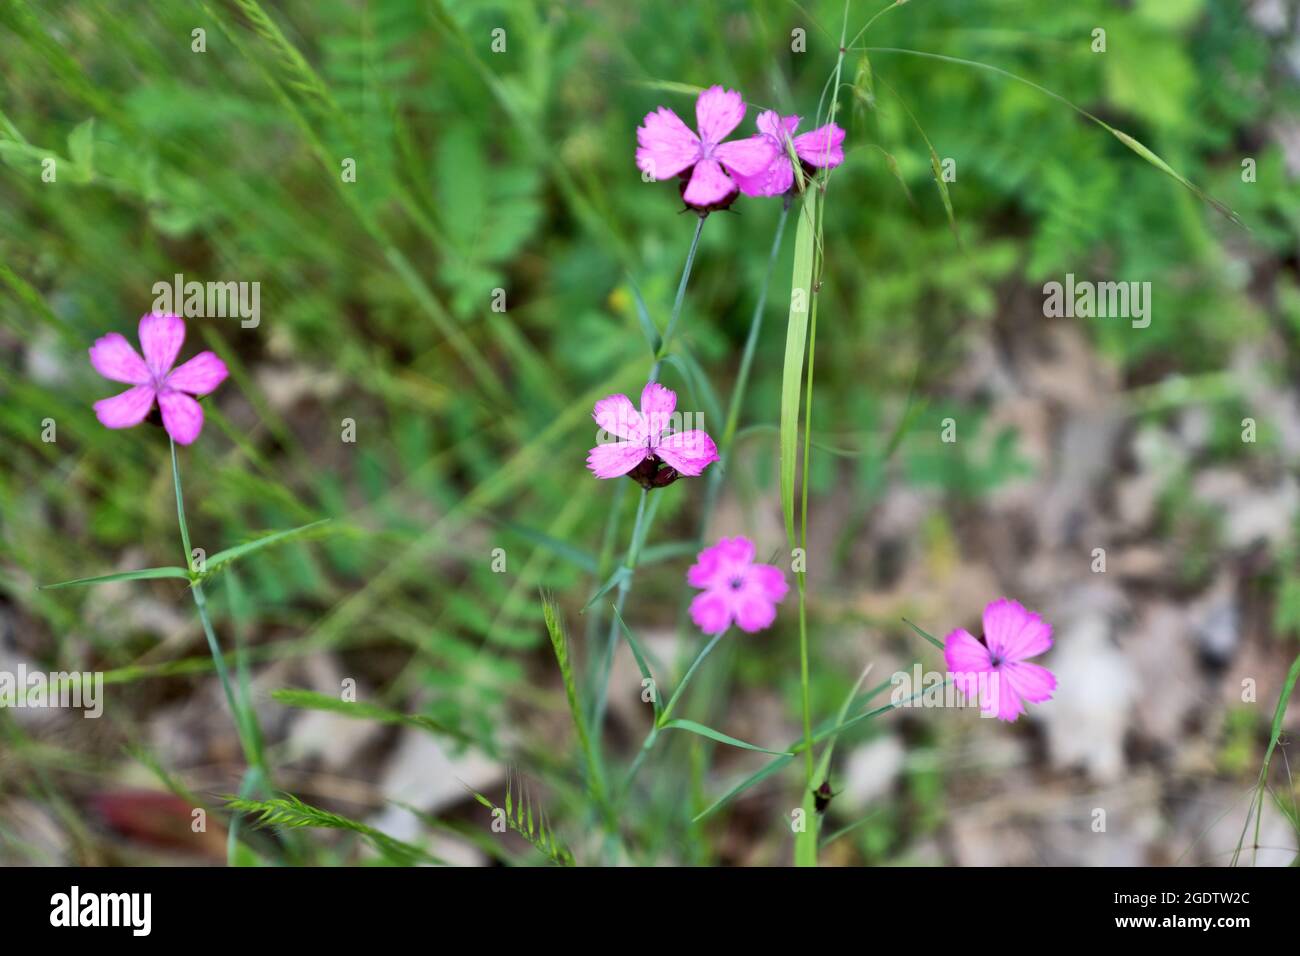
822 148
735 588
666 147
995 667
152 378
644 443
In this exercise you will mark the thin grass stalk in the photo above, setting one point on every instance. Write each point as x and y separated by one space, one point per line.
806 842
666 713
641 528
249 737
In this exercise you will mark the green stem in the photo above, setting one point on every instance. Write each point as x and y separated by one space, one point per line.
252 753
803 539
717 474
690 672
751 342
620 599
640 530
664 715
806 842
677 302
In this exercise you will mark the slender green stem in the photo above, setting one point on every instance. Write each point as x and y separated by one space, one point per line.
180 511
664 715
690 672
751 341
251 752
640 529
624 586
717 474
677 302
803 539
806 843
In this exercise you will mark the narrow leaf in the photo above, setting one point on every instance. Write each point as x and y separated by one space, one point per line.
719 736
221 558
933 640
142 575
795 343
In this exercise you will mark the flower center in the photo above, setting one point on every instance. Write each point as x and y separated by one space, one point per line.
737 583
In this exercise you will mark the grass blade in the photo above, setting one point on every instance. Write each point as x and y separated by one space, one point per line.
144 574
796 340
222 558
720 737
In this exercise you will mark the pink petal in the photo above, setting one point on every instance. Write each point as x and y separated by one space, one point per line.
775 180
617 415
747 157
778 127
711 612
708 185
717 566
1001 697
665 145
616 458
704 573
753 611
739 551
199 375
125 409
1014 633
717 113
161 337
657 406
823 147
181 415
689 452
1033 683
769 581
966 659
113 358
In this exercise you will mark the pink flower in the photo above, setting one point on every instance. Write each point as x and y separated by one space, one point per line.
823 148
644 444
996 666
666 147
153 377
735 588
